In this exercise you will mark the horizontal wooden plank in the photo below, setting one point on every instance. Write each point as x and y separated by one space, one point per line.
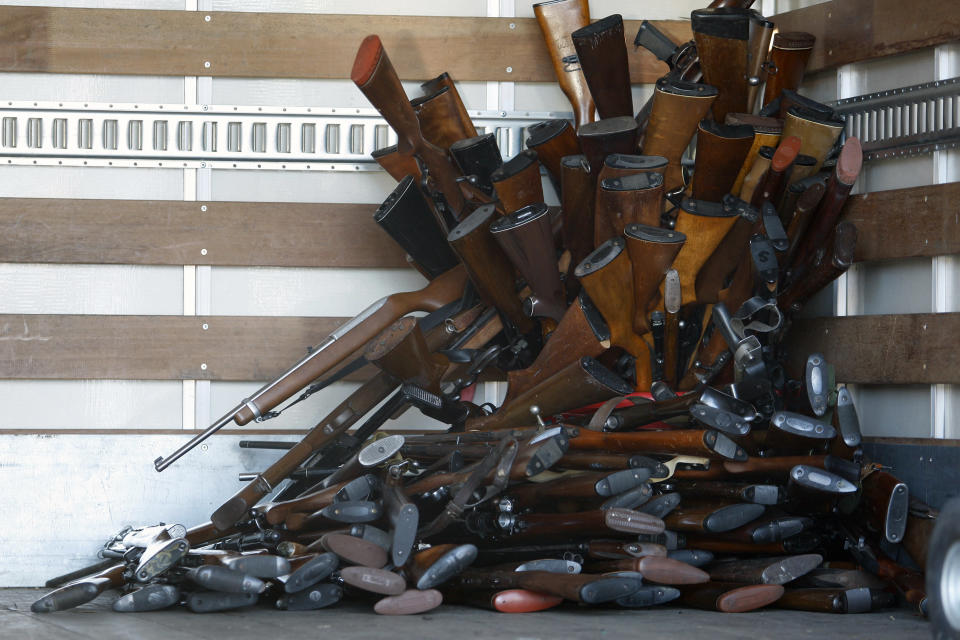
67 347
906 223
855 30
887 349
920 442
243 44
167 232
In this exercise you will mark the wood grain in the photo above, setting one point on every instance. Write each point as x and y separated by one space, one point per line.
854 30
243 44
65 347
167 232
906 223
887 349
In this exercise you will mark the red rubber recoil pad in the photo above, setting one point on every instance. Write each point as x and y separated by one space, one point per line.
850 161
786 153
368 57
523 601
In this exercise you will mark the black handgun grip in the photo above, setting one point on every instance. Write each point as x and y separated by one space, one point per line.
654 41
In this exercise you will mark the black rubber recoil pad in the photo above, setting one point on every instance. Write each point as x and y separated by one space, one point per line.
621 481
693 557
315 597
544 131
648 596
732 517
226 580
661 505
312 572
629 499
608 589
152 597
209 601
447 566
352 511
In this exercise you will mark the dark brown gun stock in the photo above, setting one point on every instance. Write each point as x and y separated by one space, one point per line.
439 116
836 600
557 20
444 80
601 138
583 523
602 53
397 164
552 140
729 253
489 267
826 267
695 442
721 150
625 200
517 182
788 59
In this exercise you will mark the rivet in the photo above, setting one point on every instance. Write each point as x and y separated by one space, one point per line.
206 64
204 447
204 326
513 25
509 69
203 252
203 366
207 18
203 207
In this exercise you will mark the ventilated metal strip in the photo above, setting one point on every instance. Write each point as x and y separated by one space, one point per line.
907 121
220 137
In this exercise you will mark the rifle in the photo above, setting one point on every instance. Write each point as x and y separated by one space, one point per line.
771 185
776 570
788 59
721 150
678 106
836 600
730 597
517 181
652 250
766 133
439 117
712 517
705 224
586 485
553 140
374 75
576 212
765 494
452 99
601 138
557 20
478 157
817 131
544 526
629 199
618 165
602 54
526 236
757 170
693 442
825 267
885 500
654 569
397 164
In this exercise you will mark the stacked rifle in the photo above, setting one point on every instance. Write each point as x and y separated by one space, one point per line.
651 446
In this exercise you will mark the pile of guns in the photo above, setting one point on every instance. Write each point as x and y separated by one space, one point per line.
651 446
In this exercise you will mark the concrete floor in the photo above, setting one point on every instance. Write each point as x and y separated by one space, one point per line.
355 620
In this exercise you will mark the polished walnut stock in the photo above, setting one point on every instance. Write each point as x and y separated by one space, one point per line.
721 150
557 20
581 332
695 442
402 352
439 116
526 236
374 75
517 182
678 107
652 251
788 59
580 383
604 137
655 569
81 591
584 523
618 165
489 267
397 164
607 277
452 99
574 587
553 140
806 207
602 53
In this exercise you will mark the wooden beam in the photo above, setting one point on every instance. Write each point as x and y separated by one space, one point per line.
855 30
888 349
171 232
65 347
906 223
244 44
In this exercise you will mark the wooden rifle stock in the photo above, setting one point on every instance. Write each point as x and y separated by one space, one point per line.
836 600
771 185
553 140
788 59
678 106
700 517
607 277
557 20
652 251
730 597
602 52
374 75
695 442
619 165
81 591
580 383
439 117
489 268
775 570
576 199
584 523
824 268
397 164
705 225
629 199
581 332
721 150
517 182
766 133
479 157
729 41
817 131
526 236
402 352
730 252
757 170
434 85
806 207
655 569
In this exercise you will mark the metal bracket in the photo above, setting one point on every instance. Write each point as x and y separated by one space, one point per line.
217 136
907 121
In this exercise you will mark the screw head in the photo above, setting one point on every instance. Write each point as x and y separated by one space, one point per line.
203 207
509 69
203 252
205 326
203 366
206 64
207 18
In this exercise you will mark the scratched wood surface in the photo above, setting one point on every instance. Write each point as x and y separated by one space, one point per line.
916 348
245 44
855 30
167 232
66 347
